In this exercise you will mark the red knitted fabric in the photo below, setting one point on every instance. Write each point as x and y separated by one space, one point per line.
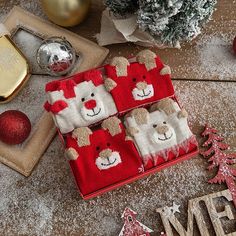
158 159
88 176
56 107
122 93
67 85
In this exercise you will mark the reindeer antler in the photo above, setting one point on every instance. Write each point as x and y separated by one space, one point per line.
112 124
121 64
141 115
82 135
166 105
71 154
147 57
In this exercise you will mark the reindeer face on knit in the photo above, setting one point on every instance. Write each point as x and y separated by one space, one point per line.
138 83
82 104
89 101
162 133
107 157
162 129
156 134
102 157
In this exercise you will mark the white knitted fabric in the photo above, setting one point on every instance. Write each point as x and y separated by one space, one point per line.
76 114
106 163
150 143
148 92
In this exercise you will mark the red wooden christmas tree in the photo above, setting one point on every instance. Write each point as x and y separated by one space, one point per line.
218 158
133 227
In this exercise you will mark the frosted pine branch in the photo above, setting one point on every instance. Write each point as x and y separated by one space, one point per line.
169 21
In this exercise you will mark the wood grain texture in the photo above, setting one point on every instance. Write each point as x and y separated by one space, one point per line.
195 212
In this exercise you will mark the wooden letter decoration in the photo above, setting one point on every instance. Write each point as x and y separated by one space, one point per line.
194 211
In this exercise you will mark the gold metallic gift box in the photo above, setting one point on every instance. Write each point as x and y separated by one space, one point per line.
14 69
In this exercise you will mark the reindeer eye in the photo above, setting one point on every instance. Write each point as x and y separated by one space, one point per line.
97 148
164 122
108 144
82 99
134 79
92 94
154 126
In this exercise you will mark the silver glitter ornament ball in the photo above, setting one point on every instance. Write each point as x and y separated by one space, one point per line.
56 56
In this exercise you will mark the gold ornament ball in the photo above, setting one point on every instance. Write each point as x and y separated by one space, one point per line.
66 12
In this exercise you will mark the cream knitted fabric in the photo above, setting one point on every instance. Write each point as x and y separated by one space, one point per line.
76 114
159 132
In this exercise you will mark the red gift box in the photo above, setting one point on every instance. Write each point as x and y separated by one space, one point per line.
91 178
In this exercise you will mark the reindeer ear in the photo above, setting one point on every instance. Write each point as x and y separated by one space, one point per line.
71 154
121 64
147 58
166 105
112 124
154 107
128 135
131 131
165 70
82 135
182 114
141 116
109 84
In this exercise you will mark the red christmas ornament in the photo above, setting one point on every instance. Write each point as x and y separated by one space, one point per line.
218 159
234 45
15 127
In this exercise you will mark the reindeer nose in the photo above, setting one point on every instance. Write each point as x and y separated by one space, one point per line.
141 85
90 104
162 129
105 153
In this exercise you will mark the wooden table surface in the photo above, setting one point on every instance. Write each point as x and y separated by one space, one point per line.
47 203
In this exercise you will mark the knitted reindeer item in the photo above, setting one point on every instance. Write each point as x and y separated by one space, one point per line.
81 100
104 157
139 83
163 134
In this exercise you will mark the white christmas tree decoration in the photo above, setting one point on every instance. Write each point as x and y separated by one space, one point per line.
169 211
